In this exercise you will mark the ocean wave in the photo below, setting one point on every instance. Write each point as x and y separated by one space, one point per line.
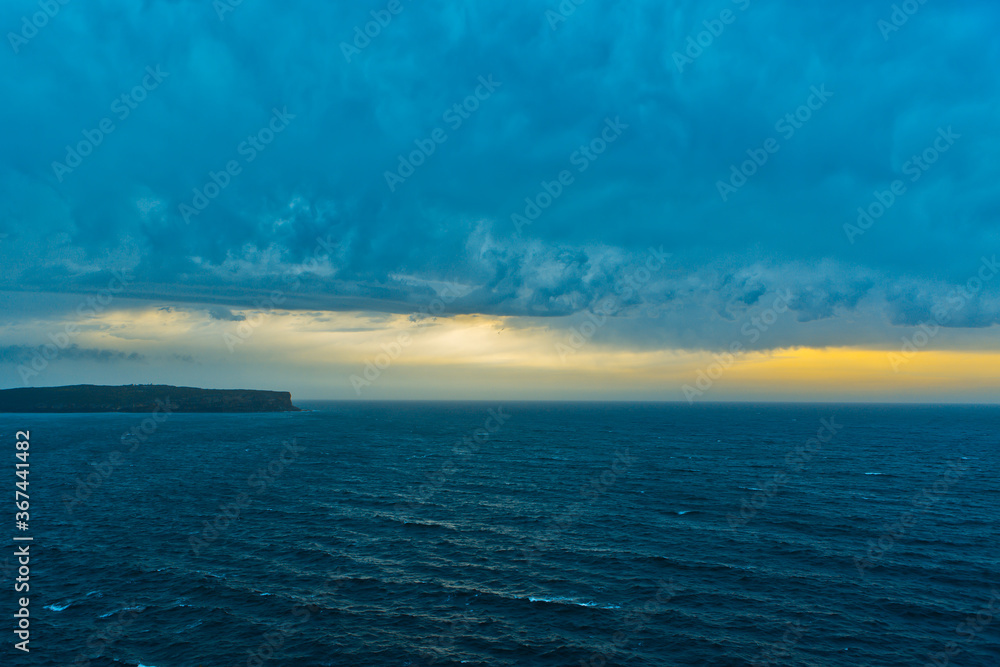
118 611
570 601
417 523
534 557
58 607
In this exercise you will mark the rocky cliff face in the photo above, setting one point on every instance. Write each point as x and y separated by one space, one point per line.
143 398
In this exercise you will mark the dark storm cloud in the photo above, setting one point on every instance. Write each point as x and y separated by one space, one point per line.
191 98
220 313
19 354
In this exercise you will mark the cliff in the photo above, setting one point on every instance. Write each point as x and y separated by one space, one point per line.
142 398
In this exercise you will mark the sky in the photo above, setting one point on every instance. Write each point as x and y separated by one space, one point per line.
587 199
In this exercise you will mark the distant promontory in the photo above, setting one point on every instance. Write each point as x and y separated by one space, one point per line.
142 398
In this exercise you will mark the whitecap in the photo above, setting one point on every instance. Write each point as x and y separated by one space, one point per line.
112 613
58 607
574 602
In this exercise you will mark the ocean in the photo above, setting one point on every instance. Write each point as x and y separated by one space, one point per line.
511 533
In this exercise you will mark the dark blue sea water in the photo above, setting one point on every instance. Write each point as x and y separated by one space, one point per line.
569 534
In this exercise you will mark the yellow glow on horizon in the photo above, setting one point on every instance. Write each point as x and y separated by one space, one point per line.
870 372
472 355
